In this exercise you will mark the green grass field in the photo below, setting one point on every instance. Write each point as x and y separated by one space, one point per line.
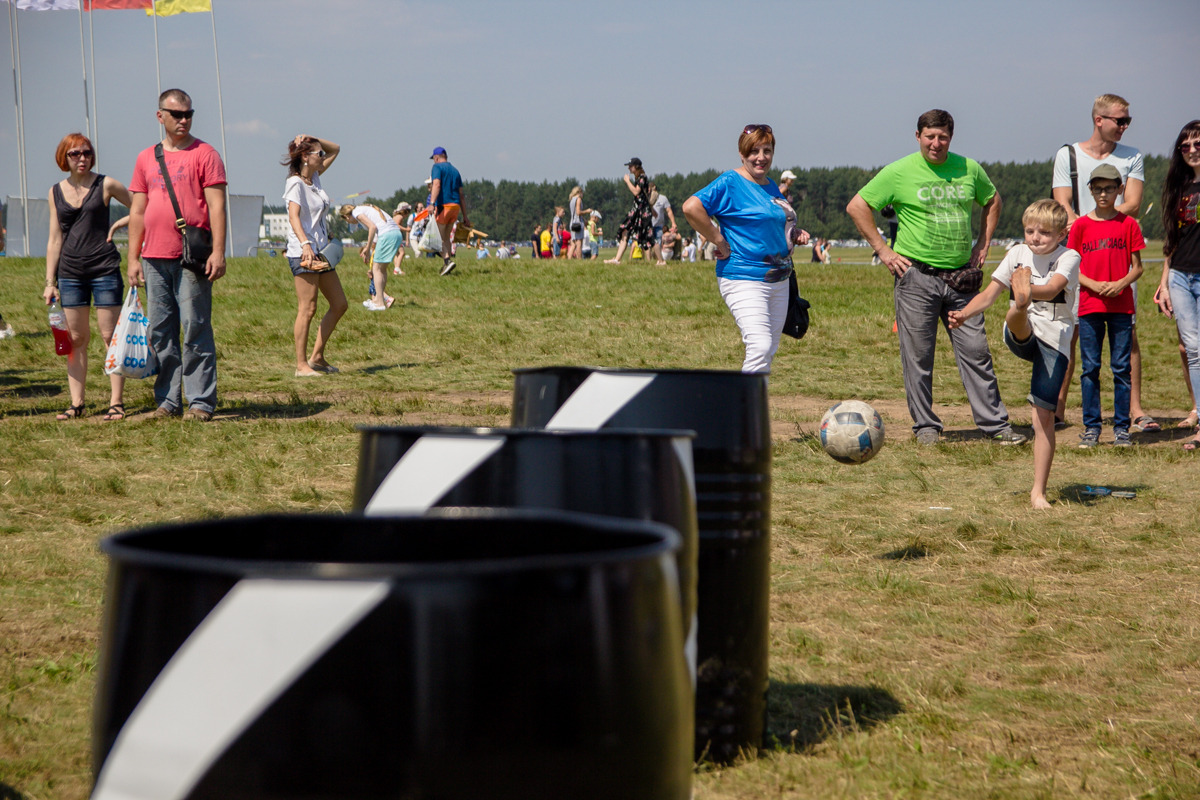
931 635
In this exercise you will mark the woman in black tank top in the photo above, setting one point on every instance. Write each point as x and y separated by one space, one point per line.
82 261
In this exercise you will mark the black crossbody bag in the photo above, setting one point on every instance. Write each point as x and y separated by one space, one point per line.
197 242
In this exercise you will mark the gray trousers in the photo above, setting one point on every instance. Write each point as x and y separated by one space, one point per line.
921 302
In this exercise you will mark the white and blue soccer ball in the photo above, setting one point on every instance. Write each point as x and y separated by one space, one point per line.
852 432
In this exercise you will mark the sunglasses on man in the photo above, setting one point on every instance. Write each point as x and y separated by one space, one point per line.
179 114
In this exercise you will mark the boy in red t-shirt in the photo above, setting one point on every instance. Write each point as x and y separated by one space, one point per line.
1108 242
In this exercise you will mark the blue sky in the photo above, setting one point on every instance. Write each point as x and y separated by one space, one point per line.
533 90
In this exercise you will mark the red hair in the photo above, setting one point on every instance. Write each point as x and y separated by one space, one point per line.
70 142
755 138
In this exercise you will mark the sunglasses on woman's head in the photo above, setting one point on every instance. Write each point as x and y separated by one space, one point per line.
752 128
179 114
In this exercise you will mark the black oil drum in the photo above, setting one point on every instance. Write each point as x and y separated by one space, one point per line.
732 454
642 474
466 653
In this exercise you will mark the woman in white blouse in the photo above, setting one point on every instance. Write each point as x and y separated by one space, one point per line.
307 204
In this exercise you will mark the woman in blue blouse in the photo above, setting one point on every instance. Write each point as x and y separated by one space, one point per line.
753 230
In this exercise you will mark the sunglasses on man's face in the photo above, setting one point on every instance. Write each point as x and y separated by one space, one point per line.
179 114
1122 122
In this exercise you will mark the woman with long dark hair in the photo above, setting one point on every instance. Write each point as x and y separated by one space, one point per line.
753 244
308 205
639 223
82 263
1178 293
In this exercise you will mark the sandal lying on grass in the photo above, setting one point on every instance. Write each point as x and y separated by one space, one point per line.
115 411
1191 445
72 412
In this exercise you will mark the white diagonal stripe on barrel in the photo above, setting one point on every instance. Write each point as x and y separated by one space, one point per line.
430 468
595 401
247 651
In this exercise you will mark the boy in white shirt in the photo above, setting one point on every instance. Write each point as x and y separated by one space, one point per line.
1044 279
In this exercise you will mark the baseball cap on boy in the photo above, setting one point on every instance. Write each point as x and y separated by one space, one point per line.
1105 172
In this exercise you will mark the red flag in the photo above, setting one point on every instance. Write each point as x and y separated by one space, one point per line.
101 5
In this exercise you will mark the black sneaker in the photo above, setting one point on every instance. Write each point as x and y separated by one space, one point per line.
1089 439
448 268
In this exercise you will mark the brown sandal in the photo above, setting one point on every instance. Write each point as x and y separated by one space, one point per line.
72 412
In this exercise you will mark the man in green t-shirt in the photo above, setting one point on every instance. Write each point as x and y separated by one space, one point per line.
937 270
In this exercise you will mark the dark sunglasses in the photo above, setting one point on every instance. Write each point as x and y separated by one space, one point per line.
1122 122
179 114
752 128
1188 147
79 154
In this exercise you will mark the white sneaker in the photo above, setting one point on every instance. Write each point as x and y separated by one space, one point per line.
369 306
7 332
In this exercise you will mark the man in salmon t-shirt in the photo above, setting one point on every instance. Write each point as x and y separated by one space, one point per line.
179 296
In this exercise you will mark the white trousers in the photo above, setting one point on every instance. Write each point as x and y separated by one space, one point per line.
759 310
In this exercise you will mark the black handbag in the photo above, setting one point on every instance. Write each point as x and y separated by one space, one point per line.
197 242
796 322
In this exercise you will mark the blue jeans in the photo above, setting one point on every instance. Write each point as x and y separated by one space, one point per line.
1091 343
1185 299
178 298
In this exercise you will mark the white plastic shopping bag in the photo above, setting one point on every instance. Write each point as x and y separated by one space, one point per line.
431 237
129 352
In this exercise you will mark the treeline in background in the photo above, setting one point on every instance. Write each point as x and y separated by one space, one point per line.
510 210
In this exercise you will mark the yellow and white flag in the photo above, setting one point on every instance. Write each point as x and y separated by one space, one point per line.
168 8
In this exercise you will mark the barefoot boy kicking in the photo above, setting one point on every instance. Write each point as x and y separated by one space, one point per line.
1044 279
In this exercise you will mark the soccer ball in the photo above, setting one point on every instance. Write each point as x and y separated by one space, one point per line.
851 432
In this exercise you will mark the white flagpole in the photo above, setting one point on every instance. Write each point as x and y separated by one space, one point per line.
95 110
157 77
87 113
221 113
15 34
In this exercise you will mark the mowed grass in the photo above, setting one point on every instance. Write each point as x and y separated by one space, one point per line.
931 635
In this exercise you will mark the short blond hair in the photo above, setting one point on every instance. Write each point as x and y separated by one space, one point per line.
1106 101
1047 213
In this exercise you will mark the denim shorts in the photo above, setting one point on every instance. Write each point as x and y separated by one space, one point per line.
108 290
1049 368
294 263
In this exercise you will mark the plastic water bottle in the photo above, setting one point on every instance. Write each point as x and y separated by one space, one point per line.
58 325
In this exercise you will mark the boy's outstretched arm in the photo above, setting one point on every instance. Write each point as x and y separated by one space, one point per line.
978 304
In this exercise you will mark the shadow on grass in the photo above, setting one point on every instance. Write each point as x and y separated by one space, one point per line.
17 383
910 553
9 793
270 410
804 714
1085 494
385 367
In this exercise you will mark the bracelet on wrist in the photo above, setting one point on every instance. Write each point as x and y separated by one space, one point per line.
51 284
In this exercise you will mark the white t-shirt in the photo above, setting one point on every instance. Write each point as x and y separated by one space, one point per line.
575 203
382 222
1053 323
314 203
1126 159
660 210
